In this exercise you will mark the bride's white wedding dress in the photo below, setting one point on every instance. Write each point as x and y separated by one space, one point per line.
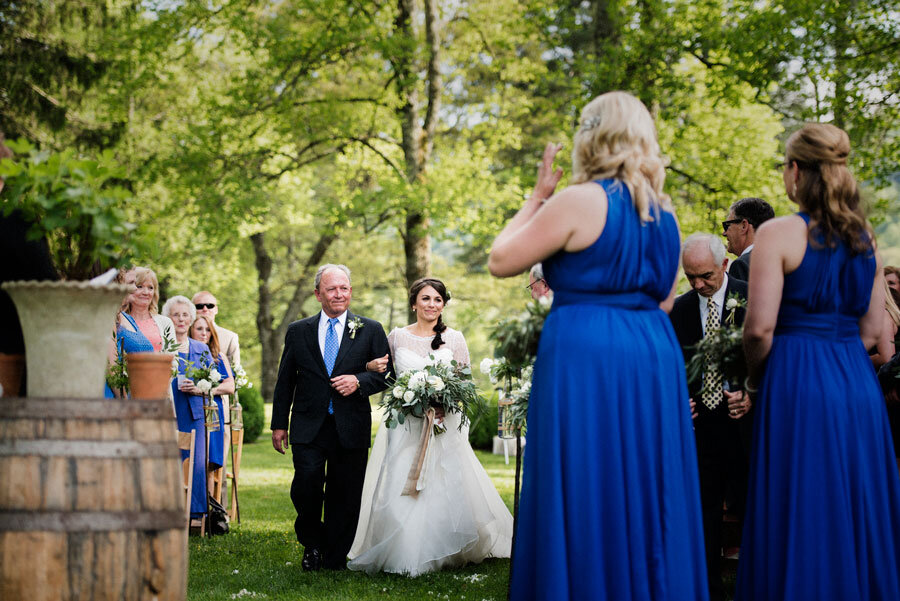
457 517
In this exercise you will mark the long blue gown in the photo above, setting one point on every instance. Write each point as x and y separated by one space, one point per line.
217 438
610 506
189 416
823 511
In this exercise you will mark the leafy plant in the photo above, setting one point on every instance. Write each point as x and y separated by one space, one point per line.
76 203
254 413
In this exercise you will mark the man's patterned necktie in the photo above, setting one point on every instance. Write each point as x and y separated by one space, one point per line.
712 378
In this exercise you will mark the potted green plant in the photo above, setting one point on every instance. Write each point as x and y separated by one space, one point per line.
76 204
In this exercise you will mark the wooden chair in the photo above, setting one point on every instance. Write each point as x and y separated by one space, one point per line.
237 440
217 478
187 442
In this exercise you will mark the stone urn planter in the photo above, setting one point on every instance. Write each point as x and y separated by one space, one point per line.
67 327
149 375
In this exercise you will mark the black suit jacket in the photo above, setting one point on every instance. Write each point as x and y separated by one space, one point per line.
740 267
685 318
303 389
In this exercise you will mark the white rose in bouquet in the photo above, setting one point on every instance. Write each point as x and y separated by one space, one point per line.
417 381
204 386
398 392
409 396
435 382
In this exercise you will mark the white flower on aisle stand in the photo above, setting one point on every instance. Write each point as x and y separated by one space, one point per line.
240 377
214 375
486 364
204 386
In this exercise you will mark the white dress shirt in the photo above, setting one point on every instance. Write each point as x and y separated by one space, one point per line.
323 329
746 250
718 299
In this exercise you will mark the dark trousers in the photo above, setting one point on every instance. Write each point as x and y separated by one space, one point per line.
326 471
723 468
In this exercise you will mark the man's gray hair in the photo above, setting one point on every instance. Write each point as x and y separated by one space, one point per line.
321 270
713 243
537 272
179 300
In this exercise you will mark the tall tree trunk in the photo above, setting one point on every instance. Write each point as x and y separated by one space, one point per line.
418 139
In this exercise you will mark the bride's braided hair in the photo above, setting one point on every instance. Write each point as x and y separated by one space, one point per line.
441 289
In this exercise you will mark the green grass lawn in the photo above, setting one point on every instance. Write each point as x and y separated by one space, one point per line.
260 557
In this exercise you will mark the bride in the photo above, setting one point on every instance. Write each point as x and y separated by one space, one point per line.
457 516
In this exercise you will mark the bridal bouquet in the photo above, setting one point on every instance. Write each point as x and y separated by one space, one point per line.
725 347
438 384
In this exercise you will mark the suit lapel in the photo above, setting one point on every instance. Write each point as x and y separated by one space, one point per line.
696 327
312 341
346 342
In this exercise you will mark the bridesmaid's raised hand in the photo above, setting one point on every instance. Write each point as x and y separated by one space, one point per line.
547 178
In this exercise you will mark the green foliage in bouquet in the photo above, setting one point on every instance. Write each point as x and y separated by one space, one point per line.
254 413
117 375
438 384
76 203
724 348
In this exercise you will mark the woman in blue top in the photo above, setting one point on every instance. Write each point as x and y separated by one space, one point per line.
205 332
823 510
610 504
127 338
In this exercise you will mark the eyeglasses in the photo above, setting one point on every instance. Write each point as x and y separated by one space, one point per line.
535 283
205 306
730 222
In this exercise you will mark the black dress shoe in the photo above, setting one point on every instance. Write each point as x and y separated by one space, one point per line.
312 560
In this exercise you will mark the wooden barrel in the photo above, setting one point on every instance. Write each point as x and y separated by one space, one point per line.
91 501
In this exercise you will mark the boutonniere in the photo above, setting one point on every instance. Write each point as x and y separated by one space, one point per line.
733 303
354 325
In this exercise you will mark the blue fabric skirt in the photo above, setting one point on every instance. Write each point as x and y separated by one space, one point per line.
823 510
610 505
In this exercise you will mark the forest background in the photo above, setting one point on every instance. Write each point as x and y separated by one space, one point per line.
263 138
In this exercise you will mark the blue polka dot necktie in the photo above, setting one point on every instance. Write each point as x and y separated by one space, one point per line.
330 353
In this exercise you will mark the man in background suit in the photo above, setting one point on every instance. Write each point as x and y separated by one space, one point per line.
323 392
744 218
721 419
208 307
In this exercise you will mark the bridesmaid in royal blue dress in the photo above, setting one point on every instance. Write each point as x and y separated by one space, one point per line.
188 400
205 332
823 512
610 505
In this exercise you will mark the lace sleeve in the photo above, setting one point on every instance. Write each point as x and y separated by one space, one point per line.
457 343
392 341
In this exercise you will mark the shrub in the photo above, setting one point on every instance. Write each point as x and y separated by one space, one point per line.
254 413
484 426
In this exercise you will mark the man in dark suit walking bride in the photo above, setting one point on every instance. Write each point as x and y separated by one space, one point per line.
323 392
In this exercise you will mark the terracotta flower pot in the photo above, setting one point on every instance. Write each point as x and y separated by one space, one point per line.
11 368
67 327
149 375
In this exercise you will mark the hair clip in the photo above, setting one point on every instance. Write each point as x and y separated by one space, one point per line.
591 122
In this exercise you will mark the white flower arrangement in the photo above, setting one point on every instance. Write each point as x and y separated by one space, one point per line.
439 384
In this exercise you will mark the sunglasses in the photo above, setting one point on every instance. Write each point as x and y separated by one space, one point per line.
730 222
535 283
205 305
